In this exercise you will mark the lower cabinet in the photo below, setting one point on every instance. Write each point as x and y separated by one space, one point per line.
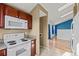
3 52
33 48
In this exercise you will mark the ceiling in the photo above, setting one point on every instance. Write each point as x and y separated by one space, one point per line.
54 15
26 7
52 8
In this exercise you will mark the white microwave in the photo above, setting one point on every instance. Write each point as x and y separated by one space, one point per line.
15 23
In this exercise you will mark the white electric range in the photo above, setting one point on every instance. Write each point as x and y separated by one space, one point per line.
17 45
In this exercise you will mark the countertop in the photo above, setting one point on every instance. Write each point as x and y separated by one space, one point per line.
2 45
30 38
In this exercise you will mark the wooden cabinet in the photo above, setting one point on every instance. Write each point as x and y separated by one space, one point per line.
26 16
33 48
22 15
8 10
1 15
3 52
30 22
11 11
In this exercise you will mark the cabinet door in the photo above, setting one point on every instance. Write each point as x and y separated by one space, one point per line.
1 15
22 15
29 22
3 52
33 51
28 17
33 48
11 11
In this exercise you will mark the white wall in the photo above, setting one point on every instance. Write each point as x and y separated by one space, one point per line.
75 31
64 34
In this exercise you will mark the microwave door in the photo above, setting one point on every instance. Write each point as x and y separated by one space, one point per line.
24 24
9 21
15 23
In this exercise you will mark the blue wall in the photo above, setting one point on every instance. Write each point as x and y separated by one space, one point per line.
63 25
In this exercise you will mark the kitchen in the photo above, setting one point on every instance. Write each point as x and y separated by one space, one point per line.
24 29
16 24
39 28
19 29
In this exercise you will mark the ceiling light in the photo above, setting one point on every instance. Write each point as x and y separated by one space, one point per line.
65 6
67 13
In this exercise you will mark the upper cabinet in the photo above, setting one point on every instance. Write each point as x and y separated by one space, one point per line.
1 15
27 17
22 15
6 10
11 11
29 21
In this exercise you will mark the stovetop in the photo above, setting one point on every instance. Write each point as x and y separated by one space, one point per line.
11 42
16 42
15 39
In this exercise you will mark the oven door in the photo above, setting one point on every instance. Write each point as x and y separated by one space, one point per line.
20 50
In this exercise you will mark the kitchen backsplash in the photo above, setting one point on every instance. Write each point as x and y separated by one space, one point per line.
4 31
1 40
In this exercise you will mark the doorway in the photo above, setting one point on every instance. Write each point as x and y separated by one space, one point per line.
42 30
42 33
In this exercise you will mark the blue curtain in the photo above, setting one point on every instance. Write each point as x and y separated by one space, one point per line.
52 29
49 34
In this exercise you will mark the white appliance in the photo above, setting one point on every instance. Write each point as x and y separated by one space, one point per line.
17 45
15 23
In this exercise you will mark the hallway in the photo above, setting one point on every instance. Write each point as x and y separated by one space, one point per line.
55 51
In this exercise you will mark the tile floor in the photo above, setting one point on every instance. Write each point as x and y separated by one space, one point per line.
53 51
